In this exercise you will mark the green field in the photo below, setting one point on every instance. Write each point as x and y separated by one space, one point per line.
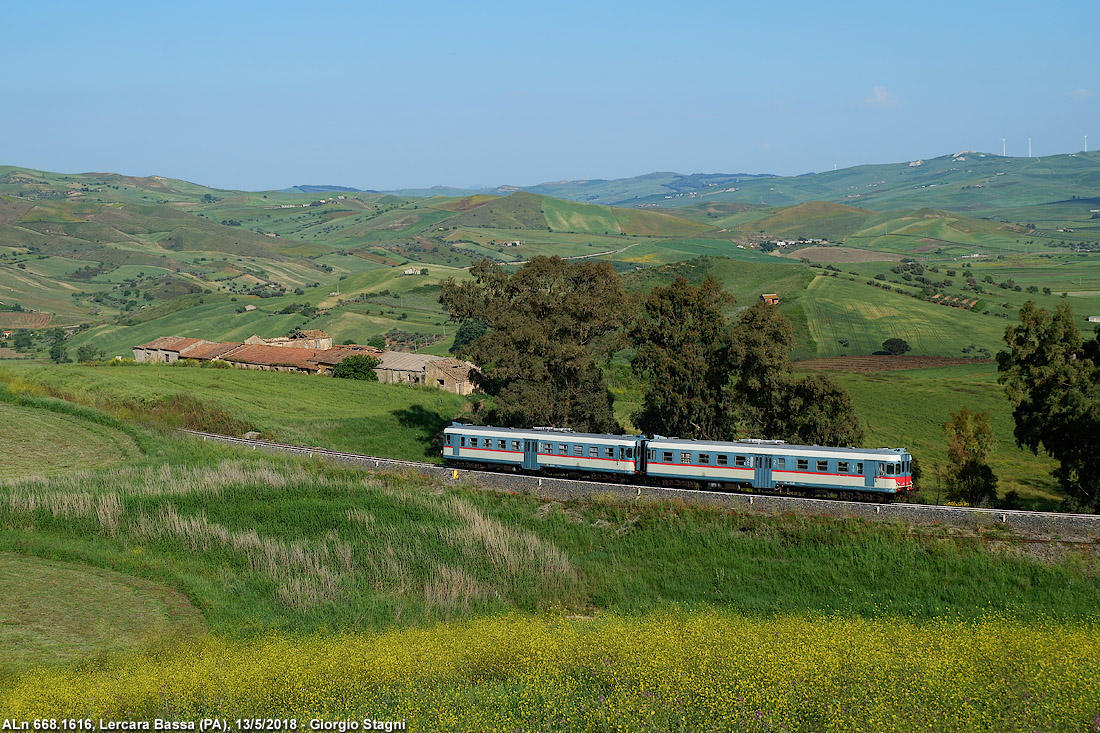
398 421
837 309
60 613
909 408
37 441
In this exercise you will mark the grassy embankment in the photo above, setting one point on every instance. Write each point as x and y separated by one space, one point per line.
681 598
397 421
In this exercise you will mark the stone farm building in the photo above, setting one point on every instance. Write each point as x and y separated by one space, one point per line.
312 352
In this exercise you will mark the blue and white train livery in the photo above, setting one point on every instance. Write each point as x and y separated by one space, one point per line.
539 449
760 465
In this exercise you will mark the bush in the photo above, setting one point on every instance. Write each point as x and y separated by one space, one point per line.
357 366
895 346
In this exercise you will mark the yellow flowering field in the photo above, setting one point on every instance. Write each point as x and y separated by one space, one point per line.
669 671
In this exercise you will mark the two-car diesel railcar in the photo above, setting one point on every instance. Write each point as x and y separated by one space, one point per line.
760 465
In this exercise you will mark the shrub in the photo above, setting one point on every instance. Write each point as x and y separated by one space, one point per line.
357 366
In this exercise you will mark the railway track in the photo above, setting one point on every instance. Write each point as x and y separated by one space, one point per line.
1050 525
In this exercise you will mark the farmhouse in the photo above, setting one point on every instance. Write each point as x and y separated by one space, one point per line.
1093 319
770 298
397 366
452 375
297 353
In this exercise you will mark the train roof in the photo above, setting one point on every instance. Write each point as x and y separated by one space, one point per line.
548 434
771 447
777 448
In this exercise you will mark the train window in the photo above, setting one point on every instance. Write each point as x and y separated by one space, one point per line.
803 464
842 466
502 444
653 455
563 449
608 452
723 459
822 466
704 458
740 461
685 457
882 469
473 442
593 451
668 456
629 452
780 462
461 440
578 450
859 468
448 440
515 445
547 447
890 469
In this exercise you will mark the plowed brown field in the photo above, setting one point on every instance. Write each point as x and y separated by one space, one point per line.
15 319
881 363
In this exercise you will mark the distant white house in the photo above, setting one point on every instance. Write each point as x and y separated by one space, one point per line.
413 271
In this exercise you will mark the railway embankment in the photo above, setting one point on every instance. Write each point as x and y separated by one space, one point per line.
1044 525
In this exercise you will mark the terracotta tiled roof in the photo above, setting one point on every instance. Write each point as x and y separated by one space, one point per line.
170 343
275 356
310 334
210 350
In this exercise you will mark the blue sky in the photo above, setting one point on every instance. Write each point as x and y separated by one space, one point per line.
379 95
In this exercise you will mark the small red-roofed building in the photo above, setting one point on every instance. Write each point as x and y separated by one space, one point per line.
165 349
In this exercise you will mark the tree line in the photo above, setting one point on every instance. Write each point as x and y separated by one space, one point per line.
542 335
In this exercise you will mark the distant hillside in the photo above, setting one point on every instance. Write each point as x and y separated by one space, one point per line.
615 192
318 189
523 210
969 181
519 210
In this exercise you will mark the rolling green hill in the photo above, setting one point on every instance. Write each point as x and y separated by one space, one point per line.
136 258
970 181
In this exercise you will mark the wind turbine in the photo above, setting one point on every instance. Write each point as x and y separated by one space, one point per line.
1029 147
1004 150
1086 143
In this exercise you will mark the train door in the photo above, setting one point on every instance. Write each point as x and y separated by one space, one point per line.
531 455
762 476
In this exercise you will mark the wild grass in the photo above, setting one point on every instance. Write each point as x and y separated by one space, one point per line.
266 544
